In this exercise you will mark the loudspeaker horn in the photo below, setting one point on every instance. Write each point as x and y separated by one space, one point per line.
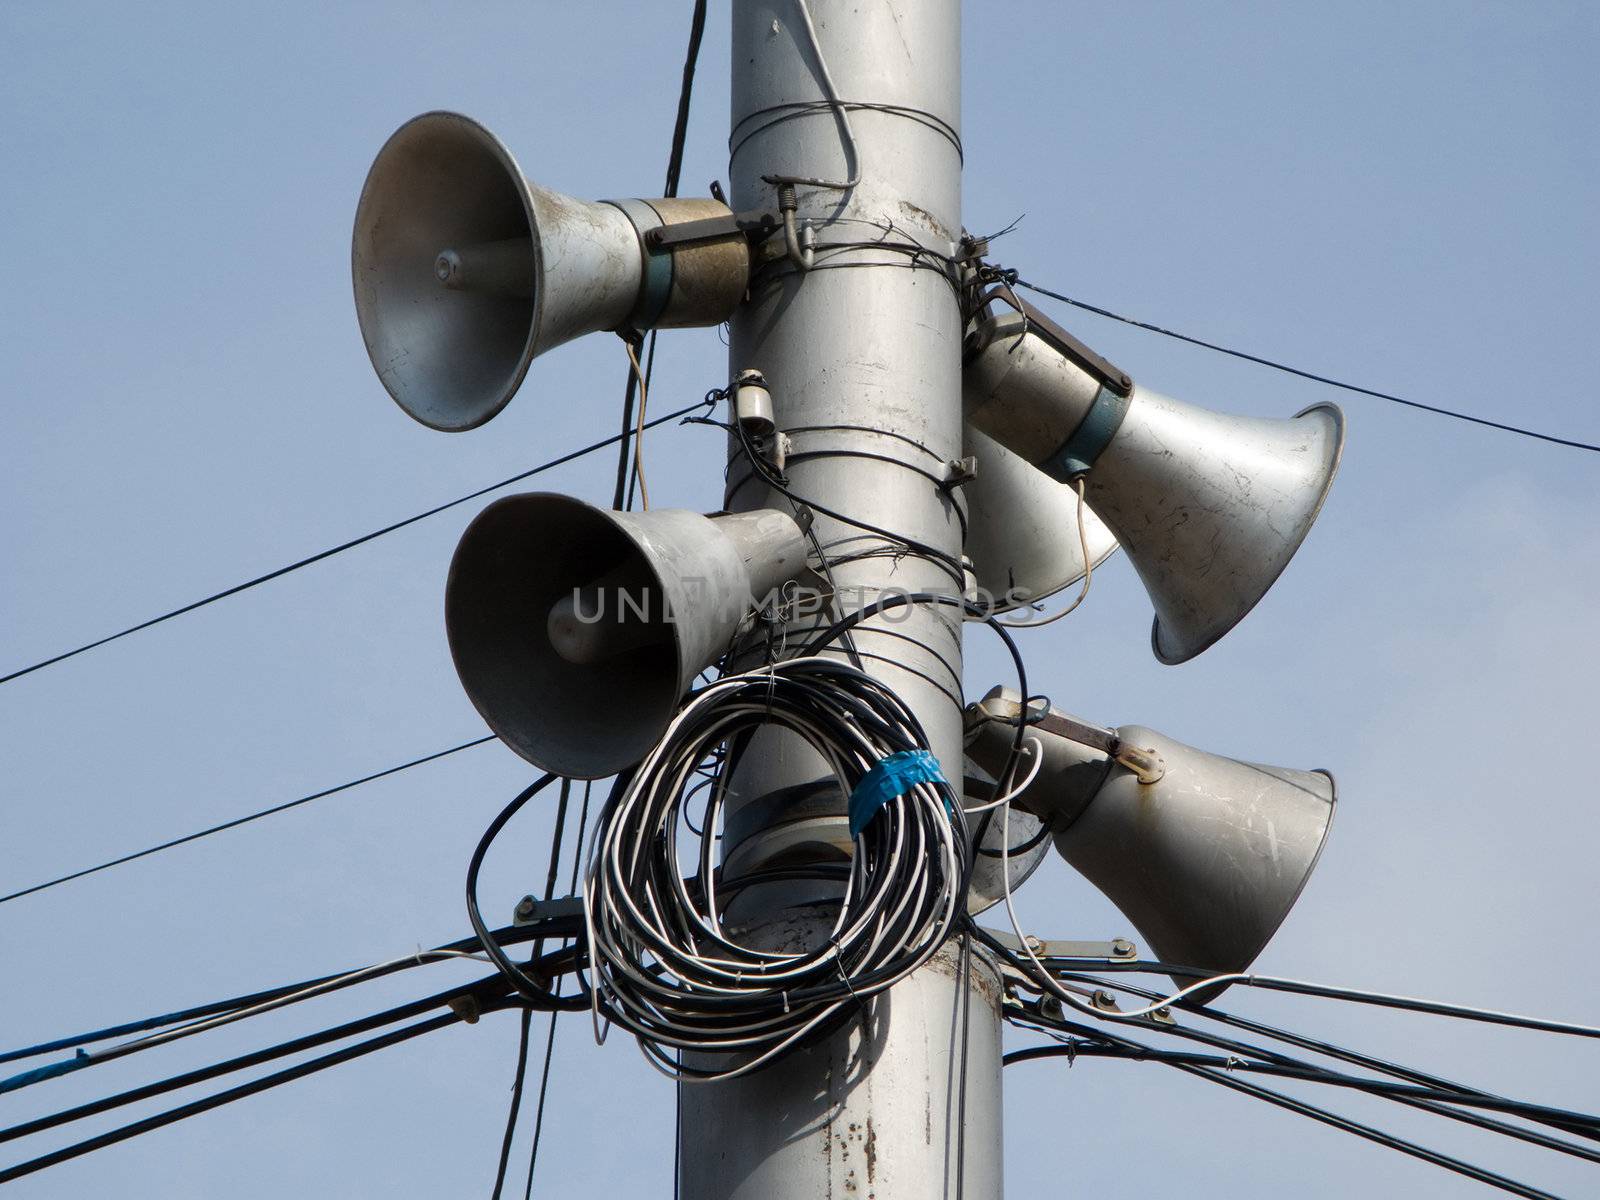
465 271
1210 508
1206 855
576 630
1022 528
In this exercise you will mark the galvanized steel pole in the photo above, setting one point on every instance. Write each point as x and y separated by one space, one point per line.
862 352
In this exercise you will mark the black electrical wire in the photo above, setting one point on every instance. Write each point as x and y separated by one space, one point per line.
532 991
325 985
205 1104
939 558
550 1037
1435 1100
666 970
626 479
1437 1008
245 820
1317 1046
1007 774
1323 1115
340 548
807 108
1436 1096
680 126
1288 370
482 991
519 1076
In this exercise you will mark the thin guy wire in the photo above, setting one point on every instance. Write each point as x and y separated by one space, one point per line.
343 546
1315 378
237 821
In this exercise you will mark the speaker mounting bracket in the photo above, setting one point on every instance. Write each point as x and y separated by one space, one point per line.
709 229
531 910
1116 950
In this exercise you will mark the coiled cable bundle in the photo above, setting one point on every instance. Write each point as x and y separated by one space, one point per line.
664 964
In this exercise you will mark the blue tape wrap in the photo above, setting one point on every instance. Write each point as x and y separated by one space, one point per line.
893 776
49 1071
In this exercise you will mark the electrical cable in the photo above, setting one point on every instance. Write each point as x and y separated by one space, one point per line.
1221 1069
772 479
800 109
1438 1101
1088 568
89 1058
288 994
479 991
1316 1046
1036 752
519 1075
638 435
1435 1096
619 498
1288 370
1326 1117
245 820
851 150
680 132
341 547
532 991
665 967
1330 992
550 1038
205 1104
970 609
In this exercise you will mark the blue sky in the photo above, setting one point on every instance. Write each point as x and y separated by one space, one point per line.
1401 195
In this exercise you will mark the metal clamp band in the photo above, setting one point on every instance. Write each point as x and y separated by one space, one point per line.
1086 443
655 266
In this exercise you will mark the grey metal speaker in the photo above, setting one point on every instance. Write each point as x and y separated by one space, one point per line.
576 630
465 271
1210 508
1206 858
1022 528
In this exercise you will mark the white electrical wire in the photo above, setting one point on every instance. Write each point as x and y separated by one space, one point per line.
1044 977
852 151
1088 569
638 433
1035 748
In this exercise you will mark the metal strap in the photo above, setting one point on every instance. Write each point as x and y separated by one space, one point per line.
1086 443
655 276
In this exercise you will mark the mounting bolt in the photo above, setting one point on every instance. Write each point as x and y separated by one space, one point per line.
526 907
1123 948
1034 943
959 472
1105 999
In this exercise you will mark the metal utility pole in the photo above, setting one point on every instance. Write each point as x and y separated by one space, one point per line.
862 352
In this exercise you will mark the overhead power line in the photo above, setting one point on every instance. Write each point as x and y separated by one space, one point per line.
340 548
245 820
1288 370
